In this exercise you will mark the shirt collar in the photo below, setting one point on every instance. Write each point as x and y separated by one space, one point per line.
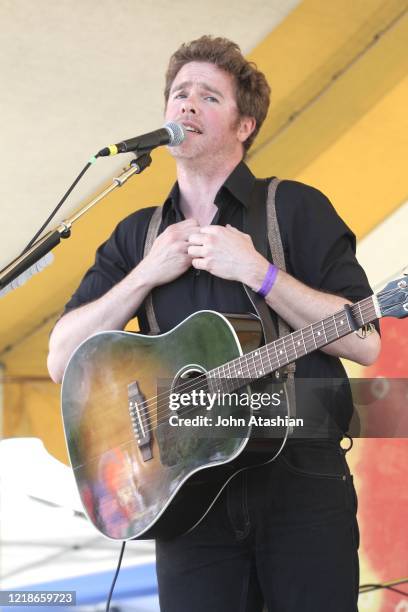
239 184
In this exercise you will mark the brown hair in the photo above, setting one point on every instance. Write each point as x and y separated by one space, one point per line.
251 86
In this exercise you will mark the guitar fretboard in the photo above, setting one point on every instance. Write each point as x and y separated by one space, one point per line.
274 355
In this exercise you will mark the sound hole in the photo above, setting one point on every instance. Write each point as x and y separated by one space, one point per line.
190 380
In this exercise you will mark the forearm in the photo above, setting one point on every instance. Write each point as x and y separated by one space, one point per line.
228 253
166 261
111 311
299 306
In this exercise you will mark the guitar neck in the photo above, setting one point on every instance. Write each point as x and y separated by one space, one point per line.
287 349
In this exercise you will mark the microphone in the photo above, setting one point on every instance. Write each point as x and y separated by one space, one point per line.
172 134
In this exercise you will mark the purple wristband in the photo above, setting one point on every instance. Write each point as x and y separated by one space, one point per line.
269 280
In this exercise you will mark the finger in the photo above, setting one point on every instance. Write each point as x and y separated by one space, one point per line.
195 251
196 239
211 229
184 227
186 231
199 263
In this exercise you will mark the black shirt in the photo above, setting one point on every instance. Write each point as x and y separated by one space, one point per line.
319 250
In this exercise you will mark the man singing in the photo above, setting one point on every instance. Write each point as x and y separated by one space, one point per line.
283 534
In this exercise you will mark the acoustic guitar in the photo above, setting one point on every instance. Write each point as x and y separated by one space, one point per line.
150 439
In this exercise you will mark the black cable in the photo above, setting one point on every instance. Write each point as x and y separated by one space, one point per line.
366 588
60 203
122 550
405 593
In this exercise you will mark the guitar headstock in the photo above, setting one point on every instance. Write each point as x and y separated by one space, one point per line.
393 299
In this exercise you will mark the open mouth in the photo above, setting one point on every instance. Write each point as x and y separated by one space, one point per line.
190 128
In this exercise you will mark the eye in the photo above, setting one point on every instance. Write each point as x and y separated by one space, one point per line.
211 98
181 94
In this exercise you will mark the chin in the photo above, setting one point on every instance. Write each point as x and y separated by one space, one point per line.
185 152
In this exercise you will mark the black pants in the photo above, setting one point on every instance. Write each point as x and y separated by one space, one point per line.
285 534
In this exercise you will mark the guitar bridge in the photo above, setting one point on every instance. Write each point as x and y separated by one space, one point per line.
139 417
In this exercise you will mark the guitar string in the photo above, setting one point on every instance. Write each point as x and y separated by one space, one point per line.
362 307
151 429
256 357
190 385
144 406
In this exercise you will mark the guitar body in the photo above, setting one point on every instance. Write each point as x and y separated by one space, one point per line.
139 477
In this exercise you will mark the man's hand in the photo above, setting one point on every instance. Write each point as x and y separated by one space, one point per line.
228 253
168 258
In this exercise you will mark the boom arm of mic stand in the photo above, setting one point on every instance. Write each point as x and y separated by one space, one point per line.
45 244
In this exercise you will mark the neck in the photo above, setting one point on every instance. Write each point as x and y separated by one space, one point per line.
199 183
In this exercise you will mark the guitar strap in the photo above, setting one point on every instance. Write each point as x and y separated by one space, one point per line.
152 231
257 217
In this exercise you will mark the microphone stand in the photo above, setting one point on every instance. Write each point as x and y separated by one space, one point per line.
45 244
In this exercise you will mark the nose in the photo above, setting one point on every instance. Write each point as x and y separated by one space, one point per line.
188 106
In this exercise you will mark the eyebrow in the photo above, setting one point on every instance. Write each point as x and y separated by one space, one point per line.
203 85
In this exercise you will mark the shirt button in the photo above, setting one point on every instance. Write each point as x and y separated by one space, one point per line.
197 273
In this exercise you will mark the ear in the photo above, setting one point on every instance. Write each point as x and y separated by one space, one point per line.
245 128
